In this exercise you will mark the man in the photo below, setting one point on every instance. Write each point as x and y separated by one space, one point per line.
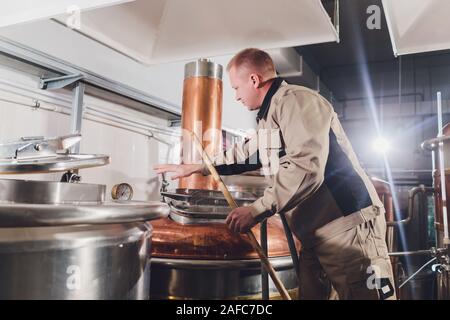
330 203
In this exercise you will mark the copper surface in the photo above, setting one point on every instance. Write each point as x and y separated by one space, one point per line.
214 241
201 114
438 212
384 192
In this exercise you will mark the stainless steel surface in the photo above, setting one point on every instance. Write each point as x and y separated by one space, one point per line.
186 219
62 162
433 144
193 206
75 262
443 270
62 241
47 192
195 197
194 214
203 68
443 282
37 147
249 183
201 210
410 253
31 215
60 82
216 279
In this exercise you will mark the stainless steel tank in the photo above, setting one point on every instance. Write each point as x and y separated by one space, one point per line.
62 240
73 249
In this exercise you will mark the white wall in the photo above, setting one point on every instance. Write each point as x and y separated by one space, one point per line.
164 81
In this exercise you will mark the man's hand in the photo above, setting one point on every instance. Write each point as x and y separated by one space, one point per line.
181 170
240 220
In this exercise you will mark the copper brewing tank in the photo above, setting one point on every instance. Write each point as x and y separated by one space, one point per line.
205 260
214 241
201 114
439 215
208 261
443 276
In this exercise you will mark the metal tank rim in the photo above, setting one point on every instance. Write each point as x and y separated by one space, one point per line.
14 215
282 262
203 68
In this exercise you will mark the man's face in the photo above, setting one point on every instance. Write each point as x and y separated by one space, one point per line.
246 88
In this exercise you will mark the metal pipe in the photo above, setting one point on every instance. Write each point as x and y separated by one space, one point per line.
442 169
291 243
76 114
89 110
412 194
336 16
431 144
410 253
264 274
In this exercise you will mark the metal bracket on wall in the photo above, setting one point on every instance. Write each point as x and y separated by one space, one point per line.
60 82
175 123
76 115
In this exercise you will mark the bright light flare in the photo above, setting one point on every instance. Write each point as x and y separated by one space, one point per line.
381 145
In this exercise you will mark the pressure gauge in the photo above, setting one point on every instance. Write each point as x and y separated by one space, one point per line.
122 191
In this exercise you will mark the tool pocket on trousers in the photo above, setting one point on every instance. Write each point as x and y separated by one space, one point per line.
364 235
359 286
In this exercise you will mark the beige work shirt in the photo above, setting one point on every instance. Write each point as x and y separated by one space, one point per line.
315 176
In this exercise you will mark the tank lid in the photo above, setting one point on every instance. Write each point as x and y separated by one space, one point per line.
39 215
57 163
203 68
43 155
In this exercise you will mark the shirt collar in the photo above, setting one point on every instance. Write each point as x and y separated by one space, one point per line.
263 111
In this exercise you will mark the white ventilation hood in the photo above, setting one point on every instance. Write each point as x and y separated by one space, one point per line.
157 31
418 25
20 11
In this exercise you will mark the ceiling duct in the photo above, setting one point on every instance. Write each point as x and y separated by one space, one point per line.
158 31
293 67
417 25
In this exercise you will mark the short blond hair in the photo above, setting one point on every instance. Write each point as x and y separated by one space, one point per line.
255 59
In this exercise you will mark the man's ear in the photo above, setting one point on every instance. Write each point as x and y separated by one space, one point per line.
255 80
